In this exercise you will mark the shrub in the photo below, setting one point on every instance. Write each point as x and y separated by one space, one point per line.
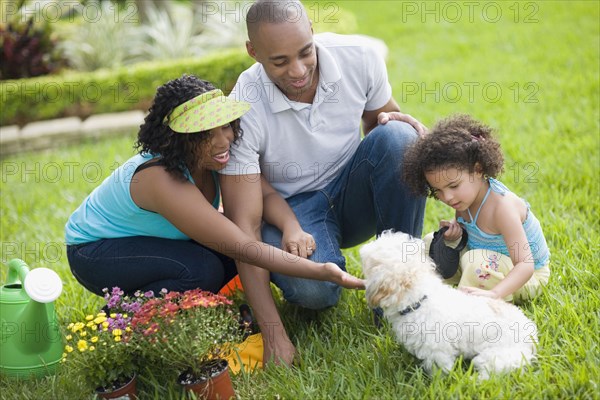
126 34
130 87
110 41
27 50
102 91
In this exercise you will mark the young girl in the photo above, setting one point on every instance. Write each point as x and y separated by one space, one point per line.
153 223
457 163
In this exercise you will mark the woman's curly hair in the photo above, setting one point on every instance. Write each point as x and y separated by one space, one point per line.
457 142
178 151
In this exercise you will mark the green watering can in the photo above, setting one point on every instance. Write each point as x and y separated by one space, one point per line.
30 338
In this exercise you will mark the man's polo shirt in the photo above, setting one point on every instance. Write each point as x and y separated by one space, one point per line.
301 147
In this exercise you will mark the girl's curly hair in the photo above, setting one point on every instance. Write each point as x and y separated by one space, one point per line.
457 142
178 151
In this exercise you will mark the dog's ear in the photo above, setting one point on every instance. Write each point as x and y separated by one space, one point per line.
377 288
387 287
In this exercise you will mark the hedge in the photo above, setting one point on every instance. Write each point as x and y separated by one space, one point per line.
122 89
133 87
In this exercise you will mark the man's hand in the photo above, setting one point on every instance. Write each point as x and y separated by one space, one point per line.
298 242
343 278
384 117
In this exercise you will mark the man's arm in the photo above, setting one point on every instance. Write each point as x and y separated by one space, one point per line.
278 213
389 112
242 202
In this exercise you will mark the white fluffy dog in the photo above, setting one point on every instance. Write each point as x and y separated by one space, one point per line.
437 323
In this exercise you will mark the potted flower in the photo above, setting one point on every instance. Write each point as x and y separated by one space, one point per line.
102 348
190 333
99 348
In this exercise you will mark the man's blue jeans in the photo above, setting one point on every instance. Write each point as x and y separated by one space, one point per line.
366 198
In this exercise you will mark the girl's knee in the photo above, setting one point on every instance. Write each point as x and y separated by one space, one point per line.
534 286
480 270
486 259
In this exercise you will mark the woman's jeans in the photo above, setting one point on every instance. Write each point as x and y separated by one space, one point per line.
149 263
366 198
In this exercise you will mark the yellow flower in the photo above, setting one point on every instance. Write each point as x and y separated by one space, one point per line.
92 348
100 319
89 317
94 339
84 333
94 327
117 332
70 326
113 315
124 315
68 337
101 314
68 348
117 338
127 329
82 345
90 324
77 327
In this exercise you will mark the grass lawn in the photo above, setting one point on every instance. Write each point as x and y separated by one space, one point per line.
530 69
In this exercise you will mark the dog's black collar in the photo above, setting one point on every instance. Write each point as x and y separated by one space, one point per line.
413 306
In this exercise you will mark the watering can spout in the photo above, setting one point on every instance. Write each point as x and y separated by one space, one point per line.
17 271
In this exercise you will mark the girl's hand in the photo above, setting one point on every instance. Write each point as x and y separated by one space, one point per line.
343 278
298 242
479 292
454 231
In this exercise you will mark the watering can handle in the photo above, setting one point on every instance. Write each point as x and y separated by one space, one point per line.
17 271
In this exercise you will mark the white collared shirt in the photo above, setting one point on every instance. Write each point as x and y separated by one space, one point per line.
301 147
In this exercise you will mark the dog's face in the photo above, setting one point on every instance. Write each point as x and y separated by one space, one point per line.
392 265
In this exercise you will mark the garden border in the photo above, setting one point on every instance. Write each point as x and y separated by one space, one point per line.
46 134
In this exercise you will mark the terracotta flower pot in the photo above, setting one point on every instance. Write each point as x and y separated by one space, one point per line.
127 391
217 387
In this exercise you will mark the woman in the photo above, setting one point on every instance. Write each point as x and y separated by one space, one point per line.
154 222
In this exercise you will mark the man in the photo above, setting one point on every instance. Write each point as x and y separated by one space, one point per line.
309 96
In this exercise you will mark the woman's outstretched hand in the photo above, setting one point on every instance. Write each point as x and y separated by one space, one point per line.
343 278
